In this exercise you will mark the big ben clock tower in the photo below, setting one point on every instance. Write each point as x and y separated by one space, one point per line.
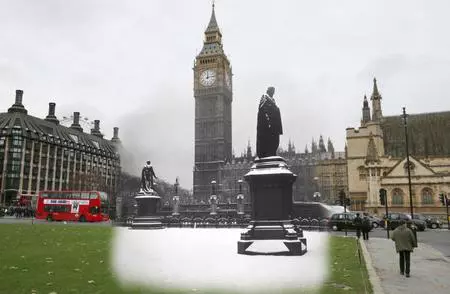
213 97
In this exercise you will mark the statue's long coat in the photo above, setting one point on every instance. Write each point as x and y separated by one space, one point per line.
269 128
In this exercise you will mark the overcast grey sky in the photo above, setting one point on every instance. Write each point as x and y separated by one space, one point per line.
129 64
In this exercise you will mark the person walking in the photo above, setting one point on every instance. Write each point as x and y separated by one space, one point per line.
404 243
358 224
366 227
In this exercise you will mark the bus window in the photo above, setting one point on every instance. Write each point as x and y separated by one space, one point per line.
75 195
56 208
94 210
93 195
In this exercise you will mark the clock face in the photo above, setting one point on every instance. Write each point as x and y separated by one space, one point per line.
228 80
208 77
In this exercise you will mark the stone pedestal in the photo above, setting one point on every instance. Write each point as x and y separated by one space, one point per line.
213 200
270 183
240 204
176 205
146 218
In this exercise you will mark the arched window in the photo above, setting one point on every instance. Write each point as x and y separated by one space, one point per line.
427 196
362 173
412 167
397 196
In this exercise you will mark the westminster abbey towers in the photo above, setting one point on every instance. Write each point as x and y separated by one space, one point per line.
213 97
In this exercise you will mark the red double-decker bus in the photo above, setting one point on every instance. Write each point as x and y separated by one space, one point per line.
83 206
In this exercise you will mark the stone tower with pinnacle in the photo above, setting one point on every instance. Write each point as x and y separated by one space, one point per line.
213 100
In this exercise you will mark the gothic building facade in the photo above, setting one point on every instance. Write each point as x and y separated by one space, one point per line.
377 159
213 94
41 154
321 173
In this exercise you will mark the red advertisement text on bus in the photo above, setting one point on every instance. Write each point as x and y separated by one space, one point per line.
83 206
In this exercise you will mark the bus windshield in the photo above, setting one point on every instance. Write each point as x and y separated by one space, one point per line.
103 196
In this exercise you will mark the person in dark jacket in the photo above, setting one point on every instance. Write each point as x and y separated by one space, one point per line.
404 243
358 224
366 227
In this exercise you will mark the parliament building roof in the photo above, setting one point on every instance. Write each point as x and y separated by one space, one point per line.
428 134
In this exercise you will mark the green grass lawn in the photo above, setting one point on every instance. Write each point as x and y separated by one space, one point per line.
347 269
75 259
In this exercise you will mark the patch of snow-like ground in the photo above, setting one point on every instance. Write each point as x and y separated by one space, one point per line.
205 259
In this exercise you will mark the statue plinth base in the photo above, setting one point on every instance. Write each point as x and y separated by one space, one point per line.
176 206
146 218
270 183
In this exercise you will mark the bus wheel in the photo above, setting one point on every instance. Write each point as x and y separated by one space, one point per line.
82 219
49 218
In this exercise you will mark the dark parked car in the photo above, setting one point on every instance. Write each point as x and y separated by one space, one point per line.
340 221
376 221
432 222
395 219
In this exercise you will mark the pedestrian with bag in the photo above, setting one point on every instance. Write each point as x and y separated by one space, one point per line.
404 243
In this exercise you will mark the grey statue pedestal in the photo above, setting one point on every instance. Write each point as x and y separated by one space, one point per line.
146 218
176 205
270 183
213 200
240 204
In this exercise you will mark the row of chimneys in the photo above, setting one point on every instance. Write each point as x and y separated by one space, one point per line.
51 117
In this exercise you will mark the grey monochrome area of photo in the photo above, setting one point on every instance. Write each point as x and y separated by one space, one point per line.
264 147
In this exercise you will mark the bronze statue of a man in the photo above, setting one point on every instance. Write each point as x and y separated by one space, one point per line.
147 177
269 126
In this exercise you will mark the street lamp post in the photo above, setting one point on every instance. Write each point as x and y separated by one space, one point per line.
404 116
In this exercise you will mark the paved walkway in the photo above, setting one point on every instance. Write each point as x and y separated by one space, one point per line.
430 270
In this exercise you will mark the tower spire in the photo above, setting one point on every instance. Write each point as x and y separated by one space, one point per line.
212 44
372 153
375 89
365 111
212 26
376 102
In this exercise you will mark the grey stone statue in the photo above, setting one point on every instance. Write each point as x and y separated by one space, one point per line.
148 174
269 127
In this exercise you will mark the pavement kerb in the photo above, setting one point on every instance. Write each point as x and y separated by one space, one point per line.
373 277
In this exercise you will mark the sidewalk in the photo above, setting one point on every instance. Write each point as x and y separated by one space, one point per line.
430 270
